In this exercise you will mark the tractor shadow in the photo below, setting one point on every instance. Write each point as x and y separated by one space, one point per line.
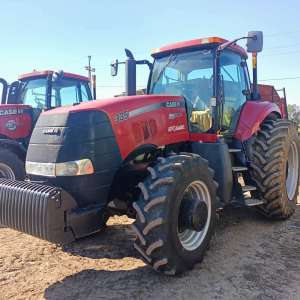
116 241
104 284
130 281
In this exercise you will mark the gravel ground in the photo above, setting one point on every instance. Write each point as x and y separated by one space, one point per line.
249 258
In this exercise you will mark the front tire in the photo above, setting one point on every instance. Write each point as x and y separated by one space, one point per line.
163 238
274 167
11 166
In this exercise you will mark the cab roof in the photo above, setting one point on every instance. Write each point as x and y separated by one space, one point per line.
195 44
50 72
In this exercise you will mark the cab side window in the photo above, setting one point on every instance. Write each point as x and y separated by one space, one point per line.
234 87
69 95
34 93
84 92
65 92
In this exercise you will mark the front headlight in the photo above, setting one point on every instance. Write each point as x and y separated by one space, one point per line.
70 168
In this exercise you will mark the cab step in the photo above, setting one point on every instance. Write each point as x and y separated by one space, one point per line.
248 188
239 169
253 202
233 150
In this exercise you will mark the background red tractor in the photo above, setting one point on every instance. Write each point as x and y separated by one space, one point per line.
200 140
22 103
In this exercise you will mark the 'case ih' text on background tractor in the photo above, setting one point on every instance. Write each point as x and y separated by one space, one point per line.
22 102
201 139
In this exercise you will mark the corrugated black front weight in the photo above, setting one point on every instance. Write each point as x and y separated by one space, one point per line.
36 209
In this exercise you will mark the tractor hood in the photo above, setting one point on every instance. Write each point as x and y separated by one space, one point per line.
116 105
134 109
97 131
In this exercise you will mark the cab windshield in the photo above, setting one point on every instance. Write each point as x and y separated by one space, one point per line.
190 75
65 91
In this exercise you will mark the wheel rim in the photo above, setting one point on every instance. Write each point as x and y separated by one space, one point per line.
191 239
6 172
292 171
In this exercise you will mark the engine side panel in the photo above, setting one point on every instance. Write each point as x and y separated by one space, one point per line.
158 123
252 115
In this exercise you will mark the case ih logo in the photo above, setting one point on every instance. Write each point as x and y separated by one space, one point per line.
173 104
11 125
12 111
52 131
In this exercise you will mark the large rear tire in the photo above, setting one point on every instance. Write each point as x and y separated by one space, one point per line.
274 167
173 235
11 166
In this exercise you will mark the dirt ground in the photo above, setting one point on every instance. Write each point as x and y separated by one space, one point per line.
249 258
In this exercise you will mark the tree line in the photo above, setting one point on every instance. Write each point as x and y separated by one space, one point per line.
294 113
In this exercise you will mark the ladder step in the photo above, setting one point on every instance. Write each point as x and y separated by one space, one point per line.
248 188
253 202
232 150
239 169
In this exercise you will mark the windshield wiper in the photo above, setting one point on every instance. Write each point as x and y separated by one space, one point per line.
171 58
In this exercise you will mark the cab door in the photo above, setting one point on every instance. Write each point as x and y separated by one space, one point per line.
34 93
235 88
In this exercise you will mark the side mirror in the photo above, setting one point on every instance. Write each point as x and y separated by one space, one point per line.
114 67
255 41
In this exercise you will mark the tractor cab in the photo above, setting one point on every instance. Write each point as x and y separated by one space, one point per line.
47 89
43 90
189 69
211 74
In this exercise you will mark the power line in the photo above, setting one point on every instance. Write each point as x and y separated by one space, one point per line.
282 53
282 78
282 33
282 47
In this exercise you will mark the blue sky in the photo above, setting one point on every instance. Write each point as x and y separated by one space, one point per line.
60 34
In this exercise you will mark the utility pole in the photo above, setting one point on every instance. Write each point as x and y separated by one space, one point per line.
90 69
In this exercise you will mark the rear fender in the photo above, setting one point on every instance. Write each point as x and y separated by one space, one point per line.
252 115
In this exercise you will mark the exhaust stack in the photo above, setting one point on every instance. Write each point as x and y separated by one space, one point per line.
130 75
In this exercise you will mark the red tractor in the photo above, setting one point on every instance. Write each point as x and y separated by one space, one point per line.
22 103
201 139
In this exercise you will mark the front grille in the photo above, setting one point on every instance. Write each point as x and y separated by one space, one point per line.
38 210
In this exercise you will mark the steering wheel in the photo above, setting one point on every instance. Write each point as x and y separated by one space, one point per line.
192 100
38 102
